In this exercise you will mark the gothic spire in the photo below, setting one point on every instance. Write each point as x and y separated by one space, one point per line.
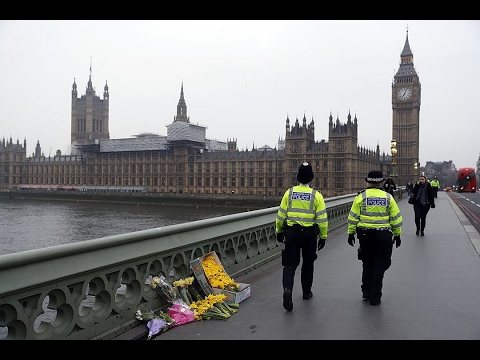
406 68
181 109
90 75
406 48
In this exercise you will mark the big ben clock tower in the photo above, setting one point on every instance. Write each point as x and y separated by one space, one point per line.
406 96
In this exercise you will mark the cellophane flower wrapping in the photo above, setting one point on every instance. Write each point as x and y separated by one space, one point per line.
157 323
181 313
187 304
182 287
163 287
155 326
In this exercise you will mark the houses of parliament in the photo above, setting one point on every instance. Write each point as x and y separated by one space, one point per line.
185 161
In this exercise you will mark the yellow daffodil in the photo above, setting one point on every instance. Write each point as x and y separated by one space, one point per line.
213 306
216 275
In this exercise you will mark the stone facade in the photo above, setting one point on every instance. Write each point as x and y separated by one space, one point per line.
12 163
186 162
89 116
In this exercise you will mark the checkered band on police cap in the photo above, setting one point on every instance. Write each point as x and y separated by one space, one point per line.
374 176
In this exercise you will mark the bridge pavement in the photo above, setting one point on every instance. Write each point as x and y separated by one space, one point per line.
431 291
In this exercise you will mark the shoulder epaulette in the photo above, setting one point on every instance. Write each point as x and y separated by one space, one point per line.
361 191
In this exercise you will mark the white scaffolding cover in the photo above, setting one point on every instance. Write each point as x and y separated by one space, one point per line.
181 131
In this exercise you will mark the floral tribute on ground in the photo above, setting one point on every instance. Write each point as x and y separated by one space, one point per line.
216 275
187 304
156 323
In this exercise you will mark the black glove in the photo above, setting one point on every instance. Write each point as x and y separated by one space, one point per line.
433 206
280 237
321 244
397 241
351 239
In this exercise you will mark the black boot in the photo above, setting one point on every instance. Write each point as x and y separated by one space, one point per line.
375 302
307 295
287 300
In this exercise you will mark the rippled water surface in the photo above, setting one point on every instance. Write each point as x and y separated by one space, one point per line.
33 224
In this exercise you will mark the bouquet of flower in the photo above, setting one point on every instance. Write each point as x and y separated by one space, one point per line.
213 306
156 323
163 287
183 286
217 276
181 313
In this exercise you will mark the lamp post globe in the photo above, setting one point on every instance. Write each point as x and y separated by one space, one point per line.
393 151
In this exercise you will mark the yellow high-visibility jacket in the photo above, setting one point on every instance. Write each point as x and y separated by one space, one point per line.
435 183
304 206
374 208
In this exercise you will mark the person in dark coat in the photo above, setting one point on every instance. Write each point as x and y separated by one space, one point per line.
389 186
423 201
409 188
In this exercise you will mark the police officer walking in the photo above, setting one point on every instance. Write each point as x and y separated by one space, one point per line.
301 218
435 186
374 217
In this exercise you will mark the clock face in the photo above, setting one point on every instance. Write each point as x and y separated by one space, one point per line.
404 93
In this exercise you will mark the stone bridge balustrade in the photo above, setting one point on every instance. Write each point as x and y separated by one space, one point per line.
92 289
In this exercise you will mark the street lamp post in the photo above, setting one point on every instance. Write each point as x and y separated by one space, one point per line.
393 150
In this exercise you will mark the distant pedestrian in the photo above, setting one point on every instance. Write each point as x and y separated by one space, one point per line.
374 217
409 188
301 218
389 186
423 201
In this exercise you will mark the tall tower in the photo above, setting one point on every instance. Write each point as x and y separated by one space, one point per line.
299 144
12 161
89 121
343 153
406 99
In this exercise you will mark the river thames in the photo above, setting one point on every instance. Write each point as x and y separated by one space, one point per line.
35 224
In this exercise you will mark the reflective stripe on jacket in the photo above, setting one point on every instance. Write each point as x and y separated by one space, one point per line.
374 208
304 206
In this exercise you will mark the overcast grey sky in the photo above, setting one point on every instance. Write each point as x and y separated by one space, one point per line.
242 78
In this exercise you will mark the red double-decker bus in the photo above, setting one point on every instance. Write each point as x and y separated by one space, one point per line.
466 180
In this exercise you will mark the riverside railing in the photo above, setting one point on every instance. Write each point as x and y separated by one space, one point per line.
92 289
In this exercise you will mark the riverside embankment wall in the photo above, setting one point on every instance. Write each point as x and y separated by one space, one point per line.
247 202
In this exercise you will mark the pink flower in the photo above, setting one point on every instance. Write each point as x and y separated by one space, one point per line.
181 313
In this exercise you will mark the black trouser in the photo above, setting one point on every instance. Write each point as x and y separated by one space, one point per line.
299 239
421 212
435 191
376 248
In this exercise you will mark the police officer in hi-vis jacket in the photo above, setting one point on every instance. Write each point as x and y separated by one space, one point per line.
301 219
374 217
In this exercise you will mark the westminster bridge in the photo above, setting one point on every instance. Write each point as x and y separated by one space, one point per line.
92 289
